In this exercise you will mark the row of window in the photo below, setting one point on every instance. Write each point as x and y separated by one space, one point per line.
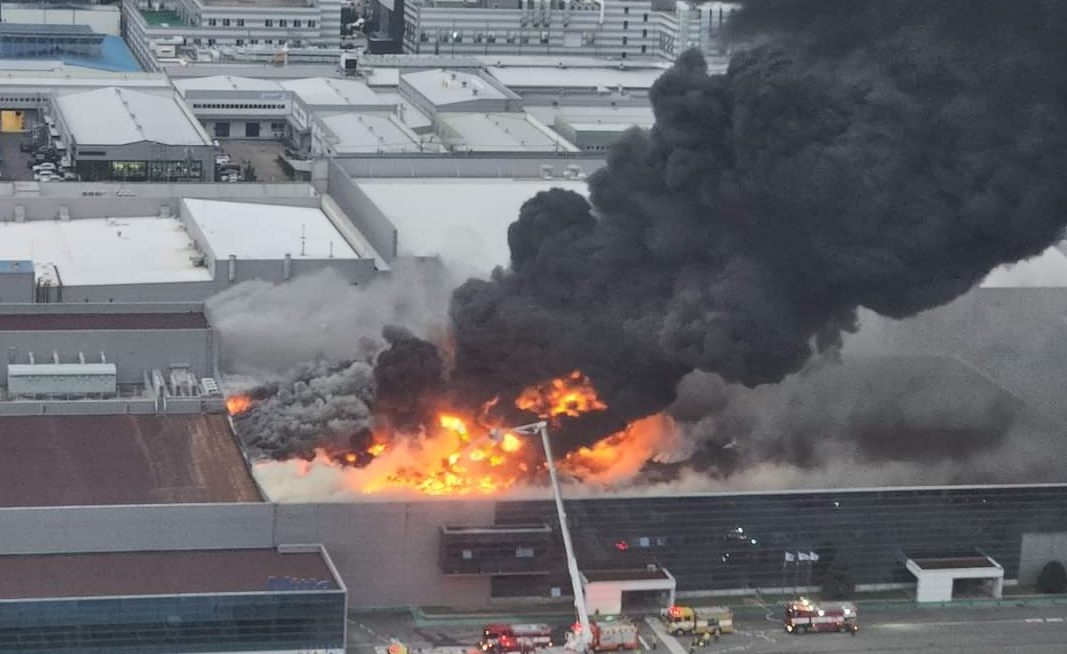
137 171
217 105
240 42
458 36
269 22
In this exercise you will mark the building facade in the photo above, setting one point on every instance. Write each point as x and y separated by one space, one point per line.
154 27
624 29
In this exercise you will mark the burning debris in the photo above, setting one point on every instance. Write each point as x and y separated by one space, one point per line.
874 154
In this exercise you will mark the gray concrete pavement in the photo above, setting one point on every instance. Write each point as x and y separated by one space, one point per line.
1016 630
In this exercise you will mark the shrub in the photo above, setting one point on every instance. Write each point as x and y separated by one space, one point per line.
1053 578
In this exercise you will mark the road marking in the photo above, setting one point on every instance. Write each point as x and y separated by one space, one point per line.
670 641
644 643
1035 619
1053 619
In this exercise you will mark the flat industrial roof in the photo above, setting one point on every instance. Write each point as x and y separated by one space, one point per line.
117 116
226 83
502 132
462 220
123 574
267 231
16 322
121 459
48 29
443 87
369 133
628 115
324 91
103 251
570 78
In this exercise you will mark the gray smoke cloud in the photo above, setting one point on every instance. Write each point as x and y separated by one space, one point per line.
267 329
870 153
317 404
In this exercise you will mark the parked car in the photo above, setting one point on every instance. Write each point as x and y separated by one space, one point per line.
45 166
44 177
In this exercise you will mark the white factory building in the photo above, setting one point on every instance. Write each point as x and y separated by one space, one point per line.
161 247
622 29
156 28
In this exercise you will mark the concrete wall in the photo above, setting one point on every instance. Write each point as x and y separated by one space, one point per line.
101 19
388 552
365 215
129 528
1039 549
17 286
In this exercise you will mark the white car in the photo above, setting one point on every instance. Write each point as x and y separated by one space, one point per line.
44 167
222 160
45 177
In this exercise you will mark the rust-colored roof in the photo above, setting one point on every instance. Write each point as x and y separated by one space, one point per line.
121 459
155 573
83 321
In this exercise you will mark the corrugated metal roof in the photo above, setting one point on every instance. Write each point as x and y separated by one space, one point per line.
155 573
114 116
60 369
121 459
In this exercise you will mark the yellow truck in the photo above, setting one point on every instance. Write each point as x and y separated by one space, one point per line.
698 620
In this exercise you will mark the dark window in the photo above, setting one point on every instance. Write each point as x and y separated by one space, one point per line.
222 129
626 24
225 22
211 22
296 23
311 24
624 40
283 23
240 22
644 33
644 49
645 18
625 10
252 130
268 23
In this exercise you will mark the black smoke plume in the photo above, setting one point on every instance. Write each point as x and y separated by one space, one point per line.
410 380
866 153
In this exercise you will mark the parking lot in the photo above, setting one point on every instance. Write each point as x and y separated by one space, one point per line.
262 155
14 162
994 630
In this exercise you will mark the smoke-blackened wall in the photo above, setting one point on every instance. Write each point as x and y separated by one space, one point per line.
871 154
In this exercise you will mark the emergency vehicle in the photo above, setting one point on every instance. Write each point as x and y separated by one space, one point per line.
611 634
803 615
698 620
515 637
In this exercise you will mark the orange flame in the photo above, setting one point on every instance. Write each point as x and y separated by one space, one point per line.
571 396
236 404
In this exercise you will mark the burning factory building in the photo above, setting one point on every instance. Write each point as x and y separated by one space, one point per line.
692 333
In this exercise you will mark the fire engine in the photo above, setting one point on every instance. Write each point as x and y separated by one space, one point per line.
803 615
515 637
698 620
610 634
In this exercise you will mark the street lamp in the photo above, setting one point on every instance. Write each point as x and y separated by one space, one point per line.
581 641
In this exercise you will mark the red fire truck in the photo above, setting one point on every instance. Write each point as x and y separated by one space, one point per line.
803 616
501 638
611 634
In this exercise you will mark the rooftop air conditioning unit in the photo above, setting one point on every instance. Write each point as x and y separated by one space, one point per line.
547 172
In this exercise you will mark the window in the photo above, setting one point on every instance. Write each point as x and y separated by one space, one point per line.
277 126
296 23
240 22
644 49
269 41
225 22
268 23
644 34
544 37
283 23
311 24
240 42
626 24
524 553
254 42
211 22
624 40
625 10
644 19
222 129
468 555
252 130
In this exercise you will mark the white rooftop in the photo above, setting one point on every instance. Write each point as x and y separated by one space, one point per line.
114 116
102 251
570 78
382 77
408 113
266 231
226 83
1046 270
576 114
500 132
368 133
442 87
464 221
323 91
